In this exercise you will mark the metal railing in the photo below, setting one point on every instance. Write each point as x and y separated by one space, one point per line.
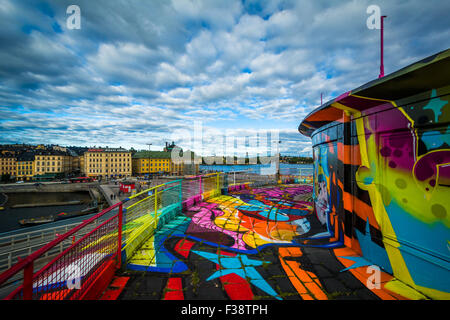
86 256
91 246
16 246
197 185
76 264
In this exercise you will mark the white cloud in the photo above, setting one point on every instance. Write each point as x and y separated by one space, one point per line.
142 71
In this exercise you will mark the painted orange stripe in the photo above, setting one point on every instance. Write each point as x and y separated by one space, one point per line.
316 291
306 297
348 201
361 276
299 277
349 154
347 241
300 273
341 152
363 210
294 280
57 295
290 252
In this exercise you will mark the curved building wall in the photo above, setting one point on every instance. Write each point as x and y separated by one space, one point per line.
382 180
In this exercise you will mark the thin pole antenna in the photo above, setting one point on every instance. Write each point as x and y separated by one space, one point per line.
382 48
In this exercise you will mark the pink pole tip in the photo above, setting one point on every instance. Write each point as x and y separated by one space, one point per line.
382 48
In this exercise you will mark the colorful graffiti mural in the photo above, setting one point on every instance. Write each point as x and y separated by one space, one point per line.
382 167
261 243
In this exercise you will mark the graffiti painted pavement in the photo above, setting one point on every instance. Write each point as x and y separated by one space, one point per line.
252 244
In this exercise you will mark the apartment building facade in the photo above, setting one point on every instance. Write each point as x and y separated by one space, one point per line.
151 162
8 164
52 162
107 162
25 167
145 162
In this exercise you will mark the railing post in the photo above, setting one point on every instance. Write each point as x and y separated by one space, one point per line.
28 282
156 209
181 192
200 185
119 237
218 184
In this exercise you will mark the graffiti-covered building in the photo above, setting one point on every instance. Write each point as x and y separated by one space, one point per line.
382 172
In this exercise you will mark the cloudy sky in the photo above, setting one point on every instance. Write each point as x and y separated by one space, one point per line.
148 71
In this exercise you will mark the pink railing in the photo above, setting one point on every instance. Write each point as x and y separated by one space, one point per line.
79 271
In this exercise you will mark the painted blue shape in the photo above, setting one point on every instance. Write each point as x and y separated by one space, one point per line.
290 211
165 261
303 223
435 139
436 105
372 251
240 265
271 213
323 160
427 257
367 181
359 262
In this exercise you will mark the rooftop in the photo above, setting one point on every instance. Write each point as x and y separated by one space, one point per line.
152 155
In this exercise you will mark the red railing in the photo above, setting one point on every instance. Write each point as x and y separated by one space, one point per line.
76 272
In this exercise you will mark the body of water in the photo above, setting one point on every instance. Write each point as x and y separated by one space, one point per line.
285 168
9 217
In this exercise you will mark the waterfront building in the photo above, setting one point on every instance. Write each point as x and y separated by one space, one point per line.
8 164
107 162
52 163
25 166
382 174
145 162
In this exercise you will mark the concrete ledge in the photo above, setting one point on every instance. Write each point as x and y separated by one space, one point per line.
33 205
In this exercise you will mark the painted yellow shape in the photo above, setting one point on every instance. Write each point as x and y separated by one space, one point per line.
402 289
146 255
254 240
283 234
